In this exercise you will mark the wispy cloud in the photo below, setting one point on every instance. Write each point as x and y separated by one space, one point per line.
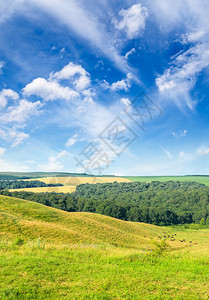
85 24
179 134
13 136
72 140
2 151
53 163
130 52
1 66
168 153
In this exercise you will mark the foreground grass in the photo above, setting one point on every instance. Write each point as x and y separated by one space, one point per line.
38 271
46 253
200 179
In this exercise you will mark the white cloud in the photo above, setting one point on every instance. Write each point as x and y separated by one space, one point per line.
182 75
179 134
123 84
192 37
132 20
169 155
125 101
202 151
21 112
53 163
1 66
133 50
69 71
187 14
13 136
72 141
84 21
7 94
184 156
10 7
2 151
48 90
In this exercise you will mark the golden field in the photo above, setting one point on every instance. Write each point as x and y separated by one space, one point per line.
81 180
69 183
56 189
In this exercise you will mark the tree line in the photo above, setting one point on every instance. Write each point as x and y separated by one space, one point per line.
160 203
19 184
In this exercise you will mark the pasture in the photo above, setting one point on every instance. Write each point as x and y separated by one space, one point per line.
200 179
46 253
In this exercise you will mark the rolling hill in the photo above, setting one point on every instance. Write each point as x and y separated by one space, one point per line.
33 220
46 253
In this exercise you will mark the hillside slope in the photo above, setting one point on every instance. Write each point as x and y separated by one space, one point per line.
33 220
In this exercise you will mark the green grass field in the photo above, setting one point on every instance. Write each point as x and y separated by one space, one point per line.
46 253
200 179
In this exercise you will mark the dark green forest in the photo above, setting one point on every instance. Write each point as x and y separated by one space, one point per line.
18 184
160 203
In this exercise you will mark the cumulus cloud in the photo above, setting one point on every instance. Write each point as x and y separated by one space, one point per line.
119 85
70 71
48 90
132 20
6 94
125 101
20 112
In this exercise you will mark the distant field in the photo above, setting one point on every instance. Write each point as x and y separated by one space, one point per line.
74 181
46 253
200 179
69 183
56 189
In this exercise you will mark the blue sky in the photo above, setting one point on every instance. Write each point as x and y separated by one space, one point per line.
70 71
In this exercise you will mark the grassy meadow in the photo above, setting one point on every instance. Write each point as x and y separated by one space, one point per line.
200 179
46 253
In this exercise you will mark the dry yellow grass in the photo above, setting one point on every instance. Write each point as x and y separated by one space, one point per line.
81 180
56 189
69 183
33 220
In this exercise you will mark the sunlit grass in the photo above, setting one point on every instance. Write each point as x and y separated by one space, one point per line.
200 179
46 253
